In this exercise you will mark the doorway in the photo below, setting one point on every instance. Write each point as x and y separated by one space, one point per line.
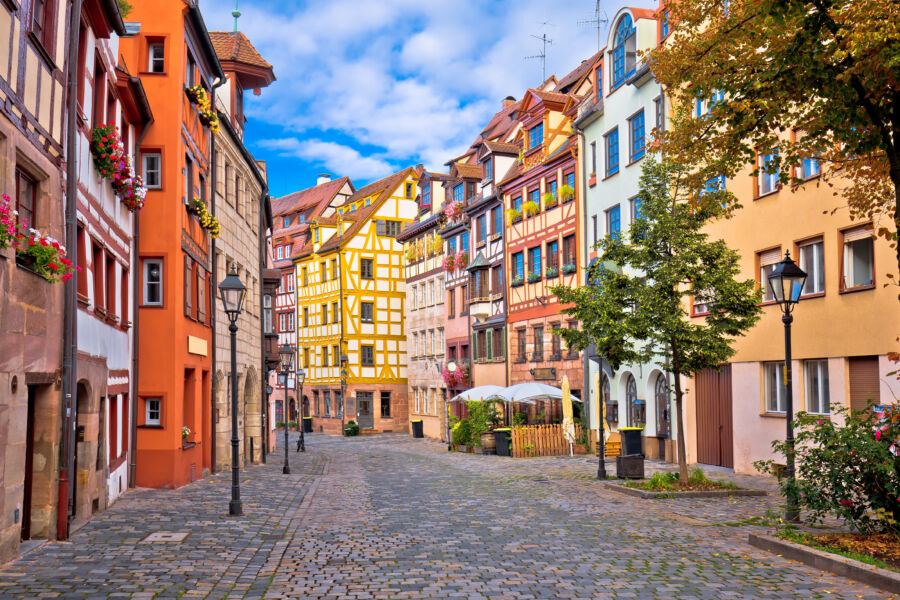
364 415
714 423
29 466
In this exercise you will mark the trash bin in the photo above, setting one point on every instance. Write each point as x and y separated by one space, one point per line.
631 441
417 430
502 439
307 425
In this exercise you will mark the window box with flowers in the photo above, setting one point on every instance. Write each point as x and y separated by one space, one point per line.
199 96
450 263
550 201
514 215
458 378
462 259
185 434
534 277
455 211
208 222
551 273
517 281
114 164
531 208
569 268
566 193
35 252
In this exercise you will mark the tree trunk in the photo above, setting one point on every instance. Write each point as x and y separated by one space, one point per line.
679 416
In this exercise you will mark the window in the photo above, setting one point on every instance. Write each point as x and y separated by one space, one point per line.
593 158
614 222
538 353
520 343
324 314
305 316
323 272
110 285
367 356
859 259
282 322
440 342
659 107
594 228
664 24
767 262
497 279
279 252
458 193
188 178
552 188
497 219
480 283
534 260
623 51
415 345
815 375
392 228
385 405
636 129
334 268
535 195
768 182
306 357
569 250
26 198
426 195
518 265
431 293
153 283
324 356
42 17
416 395
367 312
409 190
287 221
553 254
326 396
774 386
635 209
463 299
555 342
335 313
536 135
812 260
810 167
152 167
612 152
451 299
481 229
305 277
497 345
464 241
152 411
366 268
156 53
517 203
124 314
488 168
335 356
267 313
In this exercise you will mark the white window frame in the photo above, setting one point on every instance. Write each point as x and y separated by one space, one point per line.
814 266
148 173
768 182
146 283
815 372
774 370
153 56
279 252
150 410
767 261
851 238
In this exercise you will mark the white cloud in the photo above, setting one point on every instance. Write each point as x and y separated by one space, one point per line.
336 158
417 79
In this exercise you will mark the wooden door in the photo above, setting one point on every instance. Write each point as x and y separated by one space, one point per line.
864 384
714 424
365 417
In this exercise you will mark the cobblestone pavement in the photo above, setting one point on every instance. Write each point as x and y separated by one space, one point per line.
391 517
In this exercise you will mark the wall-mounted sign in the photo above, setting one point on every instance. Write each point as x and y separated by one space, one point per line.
544 374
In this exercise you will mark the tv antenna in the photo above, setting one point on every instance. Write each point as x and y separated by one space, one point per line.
543 54
600 19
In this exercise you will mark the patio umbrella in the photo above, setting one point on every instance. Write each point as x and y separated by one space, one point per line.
531 391
568 422
482 392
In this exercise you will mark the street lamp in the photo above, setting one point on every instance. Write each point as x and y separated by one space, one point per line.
343 407
451 368
285 366
233 292
786 281
301 377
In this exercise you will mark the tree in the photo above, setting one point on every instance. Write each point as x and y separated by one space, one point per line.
801 79
666 260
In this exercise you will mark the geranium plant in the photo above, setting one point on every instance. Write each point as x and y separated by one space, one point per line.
454 210
462 259
114 164
450 262
9 229
46 257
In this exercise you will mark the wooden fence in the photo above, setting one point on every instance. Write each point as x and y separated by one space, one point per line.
550 440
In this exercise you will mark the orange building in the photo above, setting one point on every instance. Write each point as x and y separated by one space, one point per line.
172 53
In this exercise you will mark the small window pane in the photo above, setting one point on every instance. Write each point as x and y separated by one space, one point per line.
153 411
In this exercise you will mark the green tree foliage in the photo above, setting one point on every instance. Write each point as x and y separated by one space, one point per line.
805 78
666 259
124 8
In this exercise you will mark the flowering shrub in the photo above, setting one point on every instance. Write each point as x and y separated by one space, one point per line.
450 262
462 259
114 164
9 230
42 253
850 471
207 221
454 210
457 378
208 116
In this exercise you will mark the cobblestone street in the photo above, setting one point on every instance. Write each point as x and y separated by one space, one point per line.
393 517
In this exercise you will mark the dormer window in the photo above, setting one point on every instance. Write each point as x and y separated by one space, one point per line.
303 218
624 51
458 193
536 135
488 170
317 235
426 195
287 221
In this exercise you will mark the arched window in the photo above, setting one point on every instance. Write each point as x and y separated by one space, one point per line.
612 407
631 399
623 52
661 394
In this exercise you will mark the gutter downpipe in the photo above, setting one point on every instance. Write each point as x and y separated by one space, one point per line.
70 318
135 328
586 361
264 421
215 272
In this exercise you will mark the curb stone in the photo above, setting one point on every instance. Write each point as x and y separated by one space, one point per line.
674 495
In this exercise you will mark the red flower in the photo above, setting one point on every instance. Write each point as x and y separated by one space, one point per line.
846 502
52 266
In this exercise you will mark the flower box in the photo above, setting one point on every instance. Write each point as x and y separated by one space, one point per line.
534 277
531 209
516 282
569 268
514 215
551 273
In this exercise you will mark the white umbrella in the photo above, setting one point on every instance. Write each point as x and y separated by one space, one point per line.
482 392
531 391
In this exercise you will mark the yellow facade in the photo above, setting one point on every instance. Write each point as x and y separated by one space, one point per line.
350 301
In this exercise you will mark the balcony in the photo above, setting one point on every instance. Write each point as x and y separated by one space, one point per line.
480 307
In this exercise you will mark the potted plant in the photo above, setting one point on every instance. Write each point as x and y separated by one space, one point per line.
551 272
566 193
531 208
351 428
462 259
534 277
514 215
549 200
185 432
569 268
517 281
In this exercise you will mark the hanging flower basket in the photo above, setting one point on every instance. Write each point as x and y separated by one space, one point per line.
207 221
197 94
462 259
116 166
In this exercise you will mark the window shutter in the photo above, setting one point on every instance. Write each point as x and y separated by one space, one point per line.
489 335
864 383
188 286
379 227
474 346
857 233
770 257
201 295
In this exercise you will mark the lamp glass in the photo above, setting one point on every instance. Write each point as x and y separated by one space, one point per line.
787 281
301 375
451 366
286 354
232 292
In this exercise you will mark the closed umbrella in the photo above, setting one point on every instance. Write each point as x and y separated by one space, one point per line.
568 420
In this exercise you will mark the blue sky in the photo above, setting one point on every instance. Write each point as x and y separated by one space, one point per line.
366 87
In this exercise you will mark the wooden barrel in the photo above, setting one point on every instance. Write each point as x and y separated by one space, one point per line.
488 443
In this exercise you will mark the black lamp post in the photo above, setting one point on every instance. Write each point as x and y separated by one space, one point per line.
301 377
786 281
451 367
233 292
344 375
285 366
592 278
269 390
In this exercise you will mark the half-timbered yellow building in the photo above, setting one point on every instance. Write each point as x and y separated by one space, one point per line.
351 291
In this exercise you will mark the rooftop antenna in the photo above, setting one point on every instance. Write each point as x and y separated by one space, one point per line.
597 22
235 13
543 54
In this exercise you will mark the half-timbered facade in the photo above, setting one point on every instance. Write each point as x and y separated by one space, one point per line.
542 231
291 216
354 296
425 308
171 52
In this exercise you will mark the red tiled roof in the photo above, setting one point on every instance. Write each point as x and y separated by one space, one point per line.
316 197
234 46
501 147
468 170
578 73
550 96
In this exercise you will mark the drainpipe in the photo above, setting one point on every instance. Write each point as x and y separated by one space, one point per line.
586 362
214 287
70 323
264 375
135 328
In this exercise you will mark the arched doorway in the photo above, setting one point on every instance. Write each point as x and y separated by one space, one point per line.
252 416
292 410
661 395
305 406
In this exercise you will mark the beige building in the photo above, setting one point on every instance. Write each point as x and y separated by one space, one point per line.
240 204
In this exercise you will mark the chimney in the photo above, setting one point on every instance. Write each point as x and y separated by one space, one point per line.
323 178
508 101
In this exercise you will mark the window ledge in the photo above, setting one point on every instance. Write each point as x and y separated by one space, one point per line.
609 175
858 288
150 427
775 191
701 314
635 160
773 415
812 296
